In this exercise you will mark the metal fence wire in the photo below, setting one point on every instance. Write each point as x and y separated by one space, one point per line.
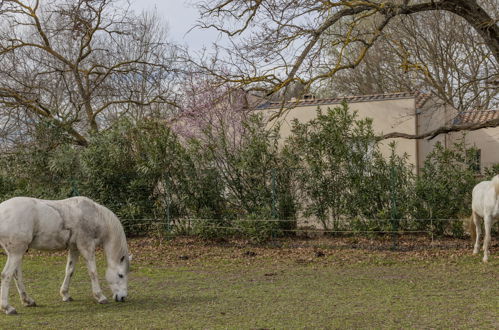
167 220
271 228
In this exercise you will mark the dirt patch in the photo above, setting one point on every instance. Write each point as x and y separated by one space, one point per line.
187 250
322 250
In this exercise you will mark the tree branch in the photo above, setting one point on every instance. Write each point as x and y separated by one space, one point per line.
442 130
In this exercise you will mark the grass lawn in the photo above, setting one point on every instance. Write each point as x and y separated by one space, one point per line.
189 284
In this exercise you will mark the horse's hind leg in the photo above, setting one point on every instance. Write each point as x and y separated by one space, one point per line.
70 268
18 277
487 222
88 253
478 225
13 261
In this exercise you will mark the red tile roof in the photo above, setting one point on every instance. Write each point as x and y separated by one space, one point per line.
476 116
420 98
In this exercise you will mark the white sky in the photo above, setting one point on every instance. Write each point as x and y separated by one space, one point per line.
180 16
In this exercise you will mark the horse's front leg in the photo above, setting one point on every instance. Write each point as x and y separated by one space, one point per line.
70 268
478 225
487 223
13 261
18 277
89 255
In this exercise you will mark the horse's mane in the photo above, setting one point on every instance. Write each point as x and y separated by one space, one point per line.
495 182
115 229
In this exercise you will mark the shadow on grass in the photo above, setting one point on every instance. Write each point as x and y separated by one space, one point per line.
142 303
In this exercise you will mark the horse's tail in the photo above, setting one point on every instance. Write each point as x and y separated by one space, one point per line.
495 182
471 228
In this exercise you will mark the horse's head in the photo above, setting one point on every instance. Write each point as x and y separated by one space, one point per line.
117 277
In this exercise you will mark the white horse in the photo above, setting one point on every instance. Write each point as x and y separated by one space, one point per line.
485 206
77 224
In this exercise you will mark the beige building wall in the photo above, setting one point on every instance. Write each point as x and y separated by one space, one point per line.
404 113
388 116
431 116
408 115
392 116
486 140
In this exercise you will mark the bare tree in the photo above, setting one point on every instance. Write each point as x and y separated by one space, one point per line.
208 109
80 64
422 53
277 42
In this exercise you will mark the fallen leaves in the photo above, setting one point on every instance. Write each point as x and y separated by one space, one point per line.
327 250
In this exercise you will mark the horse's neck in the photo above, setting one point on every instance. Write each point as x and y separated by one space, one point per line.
114 246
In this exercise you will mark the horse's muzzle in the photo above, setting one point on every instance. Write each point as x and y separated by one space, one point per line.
119 299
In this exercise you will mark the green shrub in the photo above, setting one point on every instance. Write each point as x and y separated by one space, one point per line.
342 172
443 189
330 167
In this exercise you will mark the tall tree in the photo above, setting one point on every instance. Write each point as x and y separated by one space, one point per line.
274 43
79 64
422 53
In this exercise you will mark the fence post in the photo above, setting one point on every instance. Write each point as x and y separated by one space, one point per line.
393 202
431 229
274 200
274 195
167 200
74 189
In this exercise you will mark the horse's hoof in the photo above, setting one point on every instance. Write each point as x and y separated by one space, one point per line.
30 304
10 311
68 299
103 301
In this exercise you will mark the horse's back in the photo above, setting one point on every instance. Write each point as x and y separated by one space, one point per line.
18 211
32 221
16 221
485 198
54 224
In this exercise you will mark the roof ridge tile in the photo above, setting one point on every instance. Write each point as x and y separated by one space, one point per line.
355 98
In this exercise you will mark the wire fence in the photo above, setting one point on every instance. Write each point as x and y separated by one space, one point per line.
272 228
262 212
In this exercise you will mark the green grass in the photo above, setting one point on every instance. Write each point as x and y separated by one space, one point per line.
223 289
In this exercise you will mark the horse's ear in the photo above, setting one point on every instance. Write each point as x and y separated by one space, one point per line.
130 256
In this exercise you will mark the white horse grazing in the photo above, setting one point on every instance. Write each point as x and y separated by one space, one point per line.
77 224
485 206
